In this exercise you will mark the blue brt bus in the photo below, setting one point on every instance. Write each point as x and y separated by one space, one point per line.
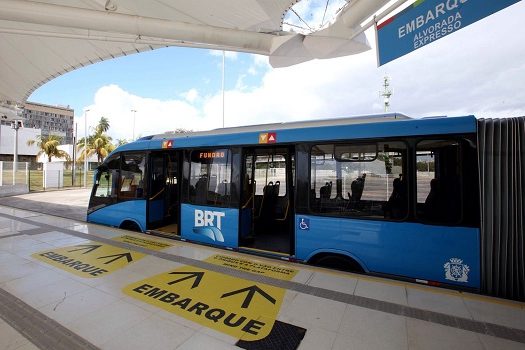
424 200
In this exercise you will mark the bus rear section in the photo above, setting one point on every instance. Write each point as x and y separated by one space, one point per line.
405 207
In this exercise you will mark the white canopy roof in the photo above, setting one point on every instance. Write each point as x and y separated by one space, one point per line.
42 39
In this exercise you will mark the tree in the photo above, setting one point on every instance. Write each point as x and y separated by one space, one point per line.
182 131
99 143
121 142
178 131
48 145
102 126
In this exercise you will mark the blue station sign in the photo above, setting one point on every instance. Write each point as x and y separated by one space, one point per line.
426 21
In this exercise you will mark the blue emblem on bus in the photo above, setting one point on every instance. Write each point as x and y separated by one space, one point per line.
208 223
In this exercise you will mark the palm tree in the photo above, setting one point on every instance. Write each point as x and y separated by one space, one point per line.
99 143
48 145
103 125
121 142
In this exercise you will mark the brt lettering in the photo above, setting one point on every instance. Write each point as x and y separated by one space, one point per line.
208 218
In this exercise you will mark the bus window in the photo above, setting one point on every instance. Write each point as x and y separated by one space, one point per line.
438 181
105 189
270 168
359 180
105 180
131 185
210 177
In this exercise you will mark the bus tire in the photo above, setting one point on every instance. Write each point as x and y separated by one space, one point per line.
130 226
337 262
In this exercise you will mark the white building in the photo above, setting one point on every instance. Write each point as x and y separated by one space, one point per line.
7 143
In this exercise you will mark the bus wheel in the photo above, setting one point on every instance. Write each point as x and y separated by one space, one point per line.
337 262
130 226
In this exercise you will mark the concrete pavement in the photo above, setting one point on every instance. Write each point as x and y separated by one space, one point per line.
71 203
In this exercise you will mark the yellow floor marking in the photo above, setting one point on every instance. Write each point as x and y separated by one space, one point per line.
258 268
241 308
89 260
148 243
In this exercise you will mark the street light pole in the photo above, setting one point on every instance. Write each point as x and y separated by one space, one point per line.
15 125
223 68
74 175
134 111
85 147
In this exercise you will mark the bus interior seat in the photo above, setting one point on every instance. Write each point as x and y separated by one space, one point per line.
313 196
434 201
276 188
396 206
212 182
324 195
268 201
357 188
223 188
222 195
326 190
201 190
260 203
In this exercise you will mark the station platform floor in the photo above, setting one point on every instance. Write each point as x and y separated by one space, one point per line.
66 284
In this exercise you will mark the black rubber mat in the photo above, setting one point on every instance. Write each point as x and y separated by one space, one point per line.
283 336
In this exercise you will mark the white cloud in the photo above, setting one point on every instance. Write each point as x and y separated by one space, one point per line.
260 60
259 64
152 116
478 70
191 95
313 15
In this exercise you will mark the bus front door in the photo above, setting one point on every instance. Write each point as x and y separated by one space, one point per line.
267 209
163 199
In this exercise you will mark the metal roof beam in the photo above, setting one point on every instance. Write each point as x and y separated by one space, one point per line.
111 22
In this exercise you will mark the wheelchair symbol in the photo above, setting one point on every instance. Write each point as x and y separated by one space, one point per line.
304 224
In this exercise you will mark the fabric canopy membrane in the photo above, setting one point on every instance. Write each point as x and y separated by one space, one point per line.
42 39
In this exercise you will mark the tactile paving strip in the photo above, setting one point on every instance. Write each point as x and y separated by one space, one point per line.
42 331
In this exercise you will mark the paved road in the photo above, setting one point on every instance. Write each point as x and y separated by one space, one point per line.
70 204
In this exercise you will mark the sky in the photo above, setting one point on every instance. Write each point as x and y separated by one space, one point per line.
477 70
